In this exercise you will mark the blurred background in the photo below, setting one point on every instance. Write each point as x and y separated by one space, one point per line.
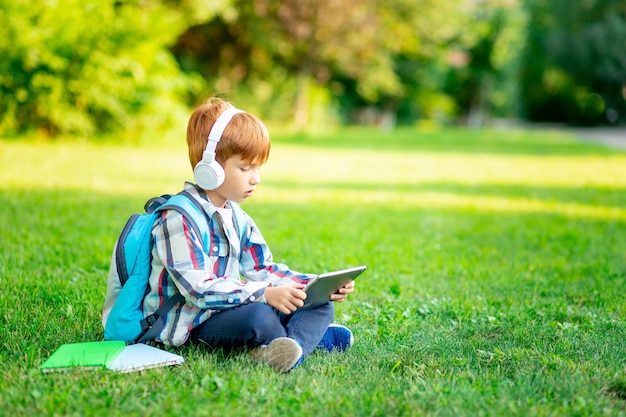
95 67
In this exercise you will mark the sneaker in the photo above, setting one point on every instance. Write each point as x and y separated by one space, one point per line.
337 337
283 354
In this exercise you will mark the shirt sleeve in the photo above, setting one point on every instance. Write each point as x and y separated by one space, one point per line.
191 269
256 261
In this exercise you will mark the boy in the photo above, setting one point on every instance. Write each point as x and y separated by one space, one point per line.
227 148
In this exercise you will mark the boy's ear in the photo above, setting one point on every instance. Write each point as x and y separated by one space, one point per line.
208 173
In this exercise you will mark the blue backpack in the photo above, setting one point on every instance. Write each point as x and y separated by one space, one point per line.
132 261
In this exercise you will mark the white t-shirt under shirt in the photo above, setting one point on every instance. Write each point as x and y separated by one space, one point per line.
227 217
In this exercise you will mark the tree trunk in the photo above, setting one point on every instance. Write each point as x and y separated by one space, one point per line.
301 110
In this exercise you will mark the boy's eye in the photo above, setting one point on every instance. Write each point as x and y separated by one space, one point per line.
249 168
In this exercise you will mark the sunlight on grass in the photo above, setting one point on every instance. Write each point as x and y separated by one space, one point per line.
387 167
404 178
93 167
334 176
444 201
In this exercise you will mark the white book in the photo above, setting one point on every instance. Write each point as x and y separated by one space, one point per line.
141 356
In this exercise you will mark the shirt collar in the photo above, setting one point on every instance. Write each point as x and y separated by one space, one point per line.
199 194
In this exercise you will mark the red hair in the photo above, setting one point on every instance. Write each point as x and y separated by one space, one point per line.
245 135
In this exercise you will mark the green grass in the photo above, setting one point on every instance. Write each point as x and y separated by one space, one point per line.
496 280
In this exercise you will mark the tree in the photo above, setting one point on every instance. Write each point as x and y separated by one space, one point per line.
482 78
293 44
78 67
574 66
391 57
316 38
413 36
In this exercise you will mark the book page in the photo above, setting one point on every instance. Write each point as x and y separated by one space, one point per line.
141 356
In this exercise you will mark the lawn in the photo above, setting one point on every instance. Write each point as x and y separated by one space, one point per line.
496 280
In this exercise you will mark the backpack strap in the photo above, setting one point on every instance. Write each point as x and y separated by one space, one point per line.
156 202
189 208
153 324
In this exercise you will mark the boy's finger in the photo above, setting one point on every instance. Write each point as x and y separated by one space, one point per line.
299 294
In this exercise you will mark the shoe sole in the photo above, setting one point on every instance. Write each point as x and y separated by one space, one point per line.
281 354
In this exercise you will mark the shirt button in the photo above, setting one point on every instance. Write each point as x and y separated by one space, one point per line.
230 300
215 248
252 298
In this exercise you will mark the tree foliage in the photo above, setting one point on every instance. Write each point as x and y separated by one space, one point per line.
415 35
575 62
291 44
87 67
318 38
484 60
71 66
362 53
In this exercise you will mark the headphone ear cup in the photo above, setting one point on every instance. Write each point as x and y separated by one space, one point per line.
209 175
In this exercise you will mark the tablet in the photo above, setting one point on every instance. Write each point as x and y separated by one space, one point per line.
319 290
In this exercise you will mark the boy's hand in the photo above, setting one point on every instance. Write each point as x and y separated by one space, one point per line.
343 292
286 298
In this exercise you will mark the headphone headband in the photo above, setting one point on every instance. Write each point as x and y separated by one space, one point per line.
218 128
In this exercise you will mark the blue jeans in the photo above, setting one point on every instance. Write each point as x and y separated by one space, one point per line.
258 324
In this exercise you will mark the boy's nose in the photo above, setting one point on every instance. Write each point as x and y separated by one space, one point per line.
255 178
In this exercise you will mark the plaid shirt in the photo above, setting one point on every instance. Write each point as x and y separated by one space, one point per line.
231 274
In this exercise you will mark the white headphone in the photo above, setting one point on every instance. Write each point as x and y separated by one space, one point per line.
208 173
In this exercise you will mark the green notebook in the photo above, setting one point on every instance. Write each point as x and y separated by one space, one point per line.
86 355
